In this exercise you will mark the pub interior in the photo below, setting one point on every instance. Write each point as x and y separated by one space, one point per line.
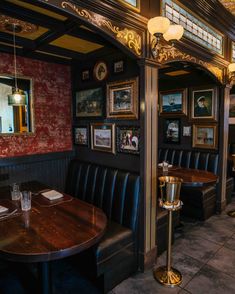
117 146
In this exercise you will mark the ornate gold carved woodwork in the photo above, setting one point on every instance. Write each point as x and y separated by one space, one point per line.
25 28
229 4
128 37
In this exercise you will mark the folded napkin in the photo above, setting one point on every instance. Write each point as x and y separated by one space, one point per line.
161 164
3 209
52 195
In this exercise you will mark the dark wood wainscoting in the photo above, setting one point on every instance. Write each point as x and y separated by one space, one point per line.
50 169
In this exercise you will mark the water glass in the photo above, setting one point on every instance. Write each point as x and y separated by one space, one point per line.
165 167
15 192
25 200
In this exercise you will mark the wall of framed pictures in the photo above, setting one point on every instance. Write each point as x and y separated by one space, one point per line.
189 113
106 125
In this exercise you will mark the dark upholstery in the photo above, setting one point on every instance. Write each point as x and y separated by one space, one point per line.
198 202
117 194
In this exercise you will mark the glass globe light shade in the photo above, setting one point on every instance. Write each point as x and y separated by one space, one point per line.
158 25
175 32
231 67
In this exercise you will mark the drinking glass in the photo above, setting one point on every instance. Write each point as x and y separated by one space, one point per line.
25 200
165 167
15 191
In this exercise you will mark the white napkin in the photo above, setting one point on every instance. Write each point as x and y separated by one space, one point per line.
3 209
160 165
52 195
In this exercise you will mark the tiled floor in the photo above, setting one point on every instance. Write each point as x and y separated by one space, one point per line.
204 253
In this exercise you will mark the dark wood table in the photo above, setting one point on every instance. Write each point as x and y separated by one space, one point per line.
191 177
50 230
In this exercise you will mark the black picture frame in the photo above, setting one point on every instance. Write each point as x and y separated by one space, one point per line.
85 75
118 66
81 135
172 130
128 139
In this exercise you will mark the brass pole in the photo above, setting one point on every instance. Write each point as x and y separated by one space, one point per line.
168 258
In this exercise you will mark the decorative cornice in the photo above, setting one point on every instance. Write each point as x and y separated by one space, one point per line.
126 36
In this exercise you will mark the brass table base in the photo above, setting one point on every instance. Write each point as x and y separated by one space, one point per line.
167 278
231 213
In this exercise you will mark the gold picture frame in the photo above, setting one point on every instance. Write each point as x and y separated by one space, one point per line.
103 137
133 4
173 102
122 99
205 136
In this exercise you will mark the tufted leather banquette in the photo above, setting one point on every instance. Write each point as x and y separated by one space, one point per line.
116 192
199 202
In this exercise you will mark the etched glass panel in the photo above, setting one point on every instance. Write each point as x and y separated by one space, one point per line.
194 28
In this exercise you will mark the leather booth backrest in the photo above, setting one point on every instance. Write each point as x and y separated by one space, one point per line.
190 159
116 192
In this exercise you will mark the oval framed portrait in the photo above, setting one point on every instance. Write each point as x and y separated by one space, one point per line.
100 71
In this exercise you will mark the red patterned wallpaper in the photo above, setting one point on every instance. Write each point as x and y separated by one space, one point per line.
52 108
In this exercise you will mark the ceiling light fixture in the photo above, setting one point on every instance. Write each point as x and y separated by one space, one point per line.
17 98
159 27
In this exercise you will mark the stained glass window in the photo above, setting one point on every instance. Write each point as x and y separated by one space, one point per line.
194 28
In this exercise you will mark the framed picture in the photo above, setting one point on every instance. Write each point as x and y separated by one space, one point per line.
187 131
102 137
232 109
204 104
81 135
118 66
133 4
85 75
172 130
122 99
89 103
128 139
173 102
100 71
205 136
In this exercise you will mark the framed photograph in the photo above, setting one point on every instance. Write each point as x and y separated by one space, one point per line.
85 75
81 135
122 99
205 136
128 139
90 103
172 130
100 71
133 4
102 137
204 104
232 109
118 66
173 102
187 131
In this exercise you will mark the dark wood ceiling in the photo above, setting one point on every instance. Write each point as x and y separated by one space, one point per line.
58 38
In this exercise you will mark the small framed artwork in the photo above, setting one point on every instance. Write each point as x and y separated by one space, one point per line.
205 136
118 66
85 75
128 139
232 109
89 103
173 102
204 104
171 130
81 135
133 4
187 131
122 99
100 71
102 137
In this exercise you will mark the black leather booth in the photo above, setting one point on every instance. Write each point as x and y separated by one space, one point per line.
117 194
198 202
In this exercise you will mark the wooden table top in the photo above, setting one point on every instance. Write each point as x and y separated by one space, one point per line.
191 177
50 230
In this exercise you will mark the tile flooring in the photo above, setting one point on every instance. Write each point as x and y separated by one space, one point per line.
204 253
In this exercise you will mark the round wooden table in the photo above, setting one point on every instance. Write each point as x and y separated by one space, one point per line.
50 230
191 177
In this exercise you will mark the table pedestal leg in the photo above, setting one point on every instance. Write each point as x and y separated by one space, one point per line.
45 278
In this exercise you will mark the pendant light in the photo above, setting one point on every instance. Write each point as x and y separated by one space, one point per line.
17 98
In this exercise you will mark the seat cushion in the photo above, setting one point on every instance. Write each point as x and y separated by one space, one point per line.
115 239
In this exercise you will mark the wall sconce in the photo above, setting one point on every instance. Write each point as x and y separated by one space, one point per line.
159 27
231 72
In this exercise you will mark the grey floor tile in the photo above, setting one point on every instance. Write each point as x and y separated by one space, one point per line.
230 243
196 247
211 281
224 260
183 291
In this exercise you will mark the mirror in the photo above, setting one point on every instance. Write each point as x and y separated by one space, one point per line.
15 119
